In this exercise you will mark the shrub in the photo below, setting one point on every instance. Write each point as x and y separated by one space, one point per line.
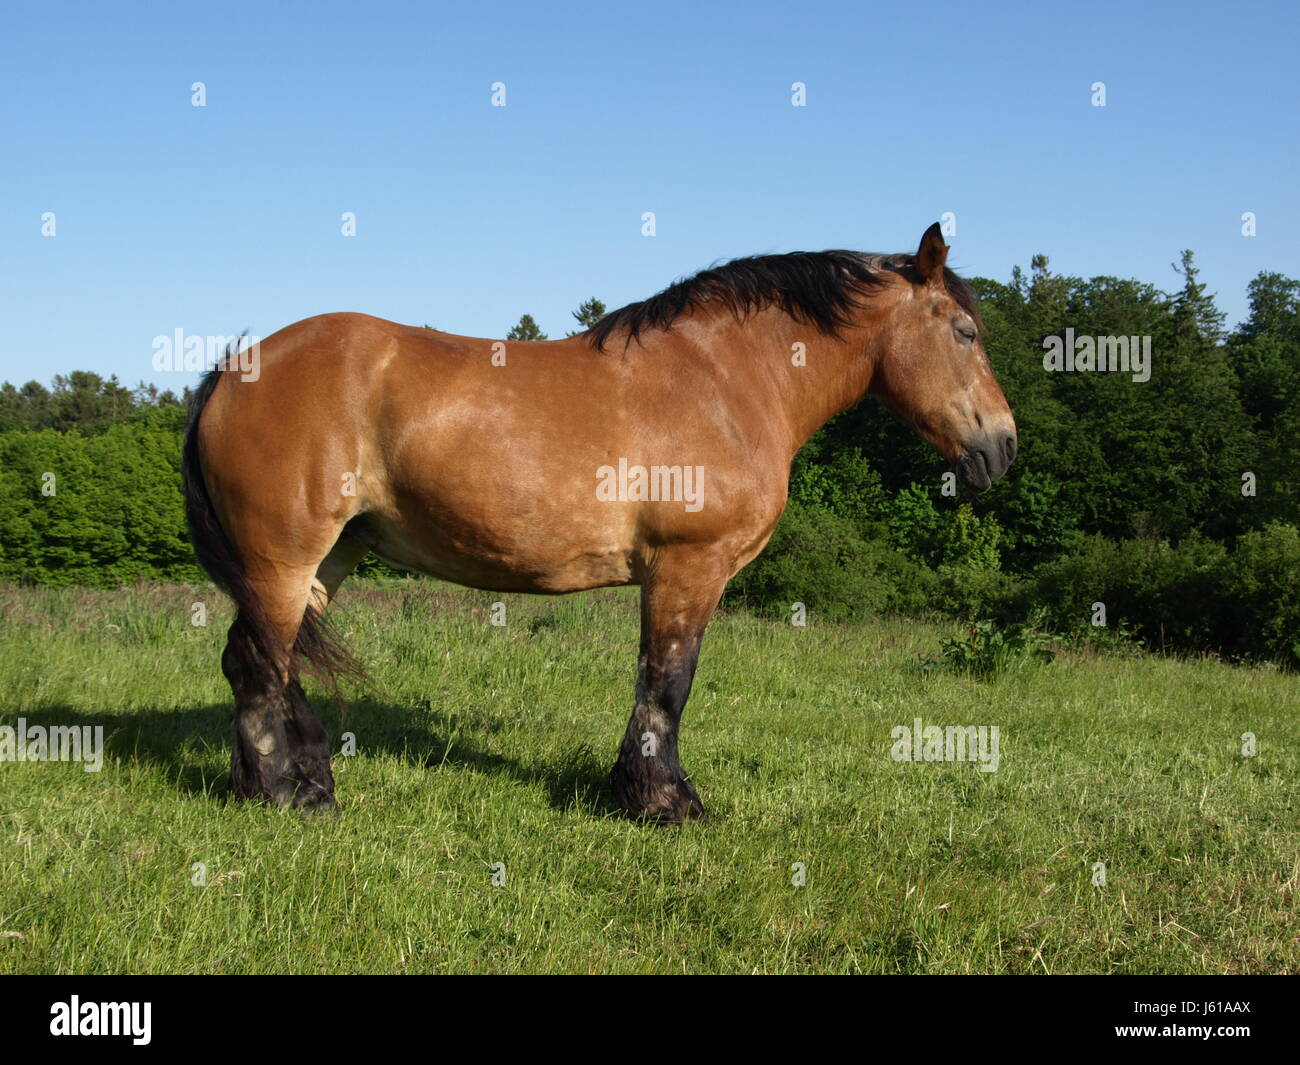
1195 596
990 649
822 560
112 512
846 485
965 591
1257 611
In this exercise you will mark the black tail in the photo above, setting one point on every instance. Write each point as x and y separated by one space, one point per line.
315 645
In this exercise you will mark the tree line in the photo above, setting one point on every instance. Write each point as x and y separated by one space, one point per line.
1165 511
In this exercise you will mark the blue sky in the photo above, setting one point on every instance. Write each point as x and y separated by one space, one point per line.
227 217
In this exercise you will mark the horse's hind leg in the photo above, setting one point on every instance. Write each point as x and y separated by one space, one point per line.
280 750
648 779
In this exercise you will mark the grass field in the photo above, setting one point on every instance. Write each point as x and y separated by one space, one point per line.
479 745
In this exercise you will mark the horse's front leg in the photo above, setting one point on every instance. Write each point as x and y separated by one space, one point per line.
648 779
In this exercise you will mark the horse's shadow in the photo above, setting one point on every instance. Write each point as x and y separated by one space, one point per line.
182 743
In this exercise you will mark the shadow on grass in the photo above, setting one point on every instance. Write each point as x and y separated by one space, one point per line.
182 744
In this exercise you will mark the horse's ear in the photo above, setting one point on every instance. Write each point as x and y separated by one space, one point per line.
931 256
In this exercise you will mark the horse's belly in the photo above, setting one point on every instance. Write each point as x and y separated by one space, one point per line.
509 558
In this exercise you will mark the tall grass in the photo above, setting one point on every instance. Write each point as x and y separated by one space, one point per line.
478 745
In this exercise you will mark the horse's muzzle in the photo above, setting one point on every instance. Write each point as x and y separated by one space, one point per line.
987 458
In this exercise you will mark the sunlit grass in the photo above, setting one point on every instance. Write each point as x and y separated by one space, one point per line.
479 744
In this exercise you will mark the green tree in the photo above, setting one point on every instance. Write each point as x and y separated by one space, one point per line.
589 312
1195 313
1264 354
526 329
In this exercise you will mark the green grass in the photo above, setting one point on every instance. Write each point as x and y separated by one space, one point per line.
479 744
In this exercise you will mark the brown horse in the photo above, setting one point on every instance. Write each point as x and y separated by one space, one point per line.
654 449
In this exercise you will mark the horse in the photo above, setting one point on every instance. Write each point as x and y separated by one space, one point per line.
654 449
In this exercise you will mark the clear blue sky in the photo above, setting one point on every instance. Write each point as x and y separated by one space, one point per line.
227 217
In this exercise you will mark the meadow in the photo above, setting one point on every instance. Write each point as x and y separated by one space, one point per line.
1124 830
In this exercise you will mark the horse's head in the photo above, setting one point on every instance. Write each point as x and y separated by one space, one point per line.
933 372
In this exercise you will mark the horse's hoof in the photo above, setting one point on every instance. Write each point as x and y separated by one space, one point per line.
682 805
668 802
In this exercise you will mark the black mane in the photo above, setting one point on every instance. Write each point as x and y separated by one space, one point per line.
816 287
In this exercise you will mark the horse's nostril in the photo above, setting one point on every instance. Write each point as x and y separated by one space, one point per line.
1009 446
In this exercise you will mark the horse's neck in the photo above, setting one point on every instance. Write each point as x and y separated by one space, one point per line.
806 376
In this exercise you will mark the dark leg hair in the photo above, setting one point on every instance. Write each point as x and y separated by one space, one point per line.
648 779
280 750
